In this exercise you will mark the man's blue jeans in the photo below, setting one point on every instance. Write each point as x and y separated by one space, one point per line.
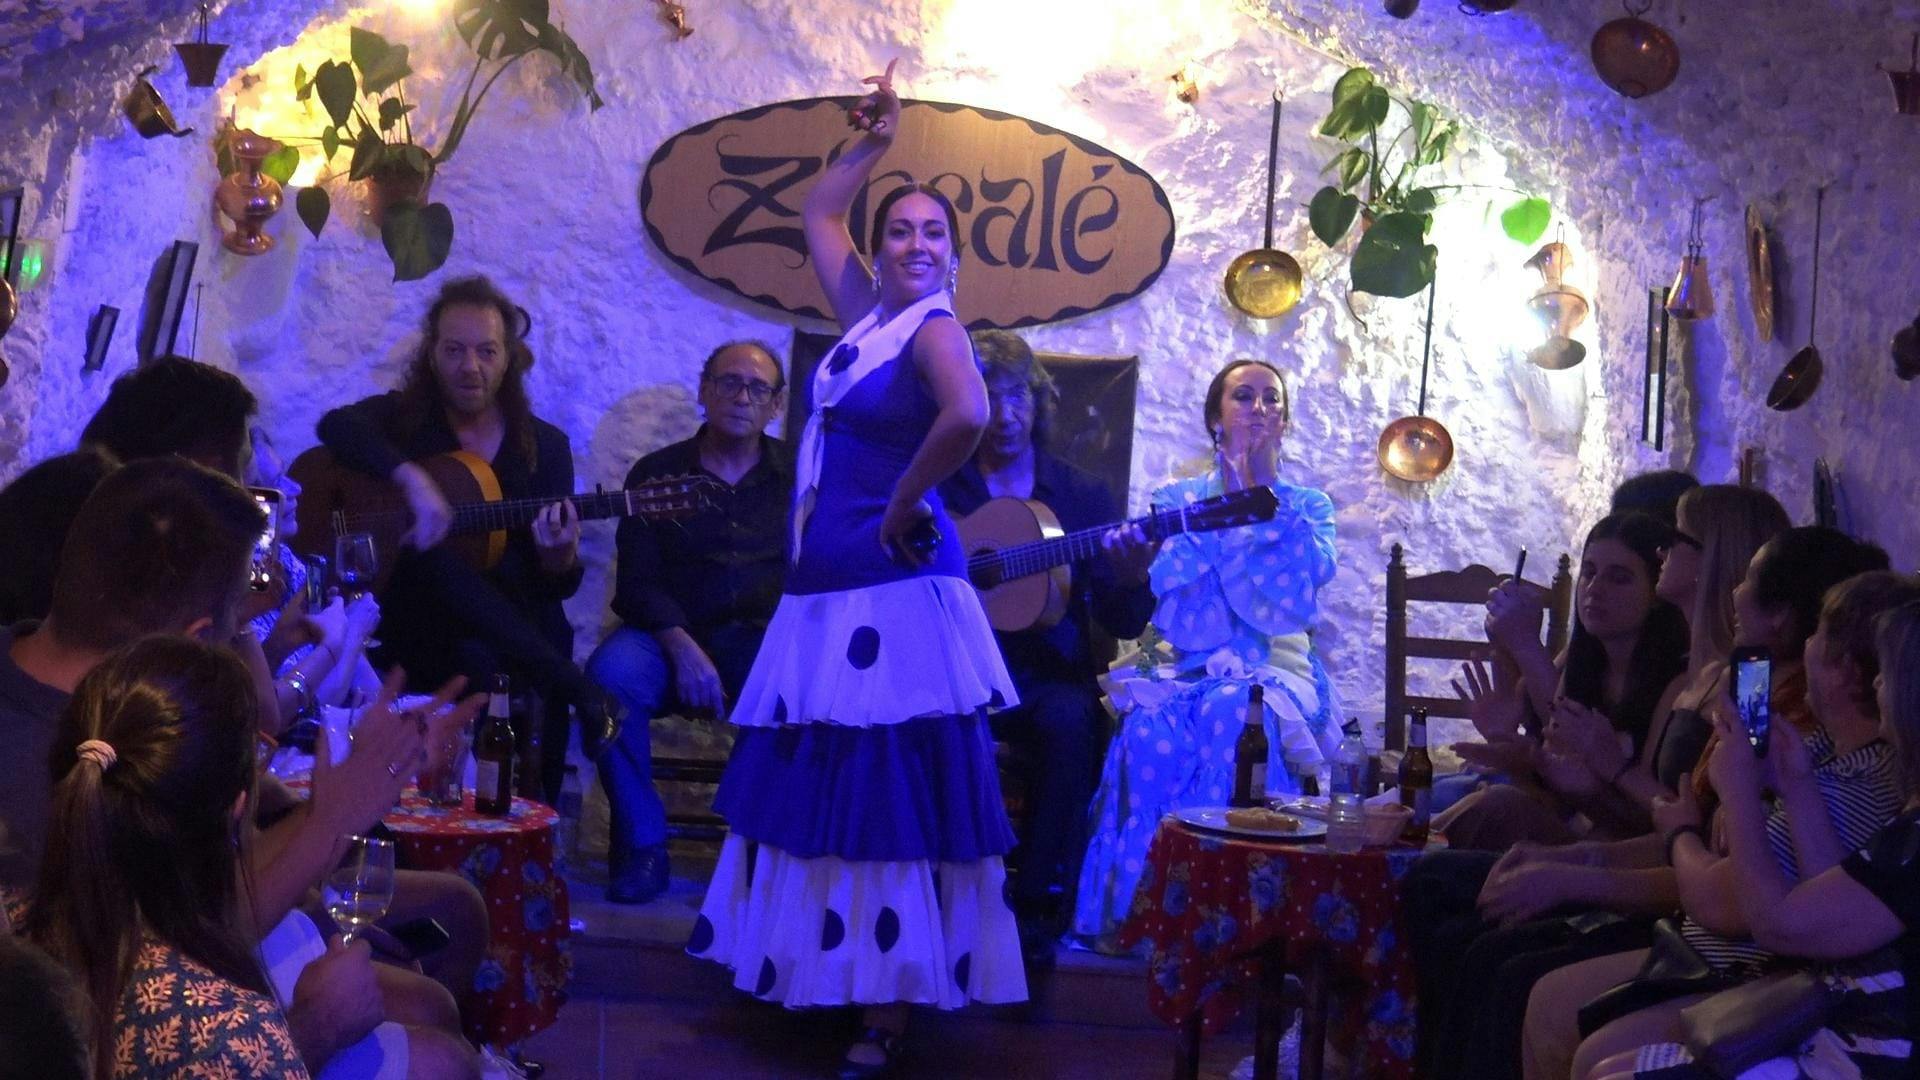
633 667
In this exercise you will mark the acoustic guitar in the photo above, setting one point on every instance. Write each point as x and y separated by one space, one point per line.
335 500
1018 556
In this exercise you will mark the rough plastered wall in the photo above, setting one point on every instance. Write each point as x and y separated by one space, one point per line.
545 200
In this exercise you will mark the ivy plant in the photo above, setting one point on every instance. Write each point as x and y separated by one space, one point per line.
1384 179
369 115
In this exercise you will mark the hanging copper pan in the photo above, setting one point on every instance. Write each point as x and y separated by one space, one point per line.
9 305
1801 377
1265 283
1418 448
147 111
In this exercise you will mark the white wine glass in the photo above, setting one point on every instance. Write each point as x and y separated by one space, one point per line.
356 562
360 889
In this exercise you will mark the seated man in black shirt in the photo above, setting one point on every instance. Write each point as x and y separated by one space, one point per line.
1060 722
465 390
694 596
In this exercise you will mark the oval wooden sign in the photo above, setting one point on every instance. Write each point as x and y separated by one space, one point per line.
1052 225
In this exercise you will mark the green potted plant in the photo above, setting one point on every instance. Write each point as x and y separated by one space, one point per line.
369 116
1382 179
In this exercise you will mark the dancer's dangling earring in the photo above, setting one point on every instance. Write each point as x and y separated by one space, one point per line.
953 278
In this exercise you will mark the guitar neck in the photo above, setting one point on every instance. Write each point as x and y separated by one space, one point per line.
1041 555
592 505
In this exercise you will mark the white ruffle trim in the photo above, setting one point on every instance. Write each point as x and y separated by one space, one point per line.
878 655
825 931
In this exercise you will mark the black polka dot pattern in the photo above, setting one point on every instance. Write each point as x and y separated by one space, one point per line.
767 979
779 709
886 929
961 969
702 938
863 648
833 932
998 701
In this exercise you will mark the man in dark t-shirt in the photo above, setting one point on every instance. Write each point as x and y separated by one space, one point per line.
441 617
694 596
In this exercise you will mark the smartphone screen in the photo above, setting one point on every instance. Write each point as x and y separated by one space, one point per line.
1753 693
260 574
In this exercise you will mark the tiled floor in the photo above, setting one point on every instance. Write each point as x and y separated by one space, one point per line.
611 1039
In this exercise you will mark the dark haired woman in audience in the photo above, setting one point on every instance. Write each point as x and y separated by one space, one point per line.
1872 950
35 512
144 901
1820 641
1628 647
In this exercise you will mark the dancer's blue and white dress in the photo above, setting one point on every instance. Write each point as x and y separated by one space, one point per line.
864 861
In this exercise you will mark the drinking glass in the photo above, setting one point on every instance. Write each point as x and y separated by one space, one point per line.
359 890
355 563
447 786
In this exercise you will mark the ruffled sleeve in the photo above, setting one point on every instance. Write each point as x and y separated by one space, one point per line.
1272 573
1264 578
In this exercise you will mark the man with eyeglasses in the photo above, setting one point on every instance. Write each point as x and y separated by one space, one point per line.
1059 723
694 596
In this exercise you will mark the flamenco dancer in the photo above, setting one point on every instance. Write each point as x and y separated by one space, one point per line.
864 863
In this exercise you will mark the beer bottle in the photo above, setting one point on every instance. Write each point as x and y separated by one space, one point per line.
1416 779
1250 752
493 755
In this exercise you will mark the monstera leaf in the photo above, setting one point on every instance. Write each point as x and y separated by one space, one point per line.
1394 258
417 238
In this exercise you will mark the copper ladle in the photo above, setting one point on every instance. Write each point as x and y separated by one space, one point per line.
1801 377
1418 448
1265 282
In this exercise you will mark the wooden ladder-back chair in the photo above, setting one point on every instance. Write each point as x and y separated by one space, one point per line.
1468 586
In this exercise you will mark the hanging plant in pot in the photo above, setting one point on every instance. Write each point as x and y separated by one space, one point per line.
368 115
1383 178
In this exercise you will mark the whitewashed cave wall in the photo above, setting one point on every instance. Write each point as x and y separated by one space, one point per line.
545 197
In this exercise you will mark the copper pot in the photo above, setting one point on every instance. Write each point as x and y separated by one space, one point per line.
1906 351
201 58
1801 377
1266 282
9 305
1635 57
149 114
1417 448
390 185
1402 9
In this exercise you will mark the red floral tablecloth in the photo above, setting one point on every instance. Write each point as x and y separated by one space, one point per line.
523 981
1208 903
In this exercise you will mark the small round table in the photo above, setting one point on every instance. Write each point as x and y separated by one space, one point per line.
523 981
1222 913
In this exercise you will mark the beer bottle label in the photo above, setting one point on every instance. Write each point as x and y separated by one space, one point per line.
1422 805
1257 787
486 780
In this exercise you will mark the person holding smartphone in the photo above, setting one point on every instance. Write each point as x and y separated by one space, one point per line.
1835 765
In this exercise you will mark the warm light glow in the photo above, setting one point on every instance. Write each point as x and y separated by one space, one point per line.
1018 54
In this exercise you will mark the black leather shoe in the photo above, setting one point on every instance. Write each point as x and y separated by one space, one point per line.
640 877
893 1050
601 716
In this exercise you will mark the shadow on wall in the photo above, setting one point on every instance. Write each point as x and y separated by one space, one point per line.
638 424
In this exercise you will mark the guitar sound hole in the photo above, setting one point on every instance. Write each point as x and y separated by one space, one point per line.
987 575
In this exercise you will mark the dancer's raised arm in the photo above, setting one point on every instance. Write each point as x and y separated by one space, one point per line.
843 276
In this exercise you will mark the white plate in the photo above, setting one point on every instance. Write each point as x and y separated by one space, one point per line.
1214 819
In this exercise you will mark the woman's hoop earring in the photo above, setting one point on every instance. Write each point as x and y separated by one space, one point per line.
953 278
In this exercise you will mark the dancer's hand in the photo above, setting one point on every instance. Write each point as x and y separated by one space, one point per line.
900 525
879 112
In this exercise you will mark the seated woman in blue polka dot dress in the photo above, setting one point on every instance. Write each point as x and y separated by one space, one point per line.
864 861
1234 609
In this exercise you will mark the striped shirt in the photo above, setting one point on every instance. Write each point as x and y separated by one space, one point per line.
1861 789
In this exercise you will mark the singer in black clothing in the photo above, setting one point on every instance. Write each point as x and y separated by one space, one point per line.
465 391
1059 724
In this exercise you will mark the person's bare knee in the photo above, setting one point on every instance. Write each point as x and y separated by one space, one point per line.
414 1000
433 1054
458 907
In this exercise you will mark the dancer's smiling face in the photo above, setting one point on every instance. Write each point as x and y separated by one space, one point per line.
916 248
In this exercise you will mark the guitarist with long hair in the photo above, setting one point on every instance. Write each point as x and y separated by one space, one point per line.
465 391
1059 723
